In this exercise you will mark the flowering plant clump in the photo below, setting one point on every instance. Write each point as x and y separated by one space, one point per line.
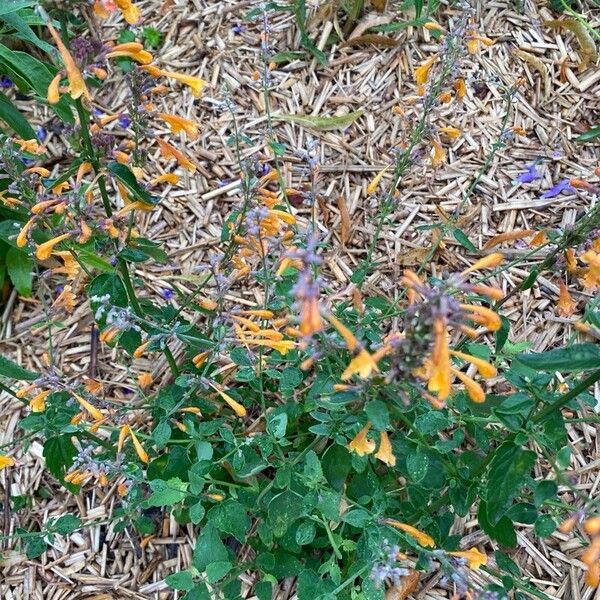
300 431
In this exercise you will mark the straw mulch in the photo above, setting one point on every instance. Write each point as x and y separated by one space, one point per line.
98 563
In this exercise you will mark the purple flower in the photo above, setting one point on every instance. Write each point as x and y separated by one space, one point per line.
562 186
5 82
167 294
42 134
124 121
531 174
237 29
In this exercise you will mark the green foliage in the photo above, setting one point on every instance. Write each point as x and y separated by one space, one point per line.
262 436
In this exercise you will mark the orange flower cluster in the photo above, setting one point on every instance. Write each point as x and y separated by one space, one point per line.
267 221
250 333
437 367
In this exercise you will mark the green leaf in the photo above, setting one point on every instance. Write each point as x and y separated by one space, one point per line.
10 6
463 240
197 513
36 546
336 463
161 434
577 357
127 178
522 513
507 564
378 414
305 533
24 32
503 531
59 452
322 123
417 465
544 526
209 548
12 370
167 493
67 524
20 270
508 471
180 581
277 424
589 136
544 490
11 115
217 570
230 517
283 510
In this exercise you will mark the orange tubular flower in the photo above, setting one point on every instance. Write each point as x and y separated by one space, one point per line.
77 87
439 380
6 461
92 410
361 444
362 365
145 380
179 124
422 71
131 13
54 90
474 557
424 539
484 368
194 83
22 237
141 56
200 359
143 456
565 306
474 390
169 151
44 251
169 178
38 402
385 453
239 410
483 316
66 299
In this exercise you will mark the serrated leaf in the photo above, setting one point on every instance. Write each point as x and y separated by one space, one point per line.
509 469
322 123
180 581
167 493
209 548
283 510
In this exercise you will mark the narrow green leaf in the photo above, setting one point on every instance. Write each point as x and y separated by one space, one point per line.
11 115
9 6
589 136
322 123
578 357
24 31
127 178
11 369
